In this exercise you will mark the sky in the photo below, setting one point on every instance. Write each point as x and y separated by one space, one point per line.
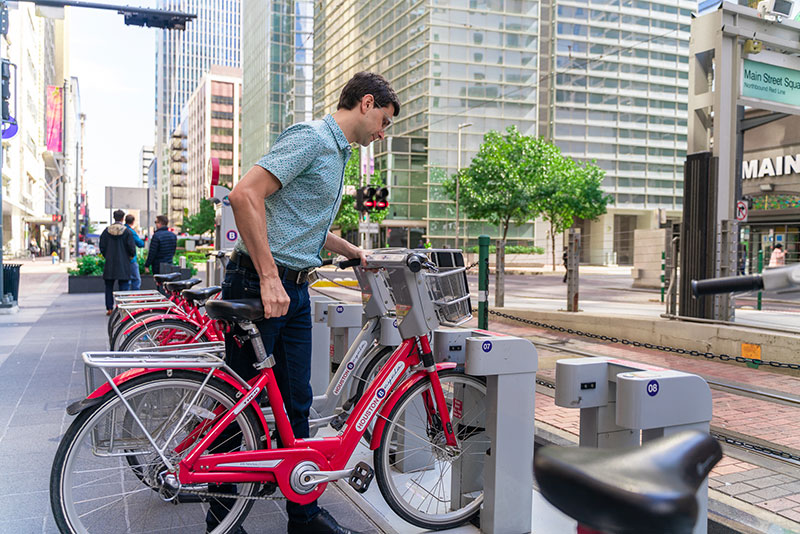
115 66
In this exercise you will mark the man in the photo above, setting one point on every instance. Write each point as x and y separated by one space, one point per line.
162 246
778 256
117 247
284 207
136 279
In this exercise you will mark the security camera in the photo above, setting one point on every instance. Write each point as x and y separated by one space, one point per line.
775 9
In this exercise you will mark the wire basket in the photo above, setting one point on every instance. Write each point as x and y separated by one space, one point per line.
449 293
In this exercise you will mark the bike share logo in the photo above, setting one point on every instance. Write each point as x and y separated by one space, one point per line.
376 400
487 346
339 309
652 388
350 366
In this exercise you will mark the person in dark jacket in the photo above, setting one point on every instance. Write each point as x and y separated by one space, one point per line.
117 247
162 246
136 280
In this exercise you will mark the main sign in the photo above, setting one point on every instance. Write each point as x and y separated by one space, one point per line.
772 83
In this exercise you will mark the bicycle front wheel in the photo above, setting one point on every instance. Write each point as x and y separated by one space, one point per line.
160 334
425 481
108 478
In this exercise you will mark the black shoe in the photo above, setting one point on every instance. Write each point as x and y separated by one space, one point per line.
322 523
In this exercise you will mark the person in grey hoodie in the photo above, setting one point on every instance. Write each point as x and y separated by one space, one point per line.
118 248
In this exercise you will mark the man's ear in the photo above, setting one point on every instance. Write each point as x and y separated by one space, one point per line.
367 102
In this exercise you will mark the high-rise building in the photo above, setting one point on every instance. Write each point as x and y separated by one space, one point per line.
146 156
451 64
605 80
212 125
268 45
182 57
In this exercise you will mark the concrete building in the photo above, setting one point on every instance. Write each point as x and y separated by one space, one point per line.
146 156
182 57
211 123
277 58
39 184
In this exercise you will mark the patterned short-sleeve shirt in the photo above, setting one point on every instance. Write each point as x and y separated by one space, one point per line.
308 159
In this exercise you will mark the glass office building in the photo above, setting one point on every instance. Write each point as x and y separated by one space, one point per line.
182 57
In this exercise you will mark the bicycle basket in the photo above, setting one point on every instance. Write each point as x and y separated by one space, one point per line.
449 292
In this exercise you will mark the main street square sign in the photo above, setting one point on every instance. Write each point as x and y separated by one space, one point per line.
770 83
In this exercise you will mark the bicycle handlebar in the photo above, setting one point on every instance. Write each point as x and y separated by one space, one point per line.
727 284
354 262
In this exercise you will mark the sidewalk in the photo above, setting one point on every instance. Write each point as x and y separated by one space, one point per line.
41 372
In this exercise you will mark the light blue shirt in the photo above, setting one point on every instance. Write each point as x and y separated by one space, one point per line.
308 159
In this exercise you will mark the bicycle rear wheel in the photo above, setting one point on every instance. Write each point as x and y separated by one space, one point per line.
125 322
108 478
424 481
162 333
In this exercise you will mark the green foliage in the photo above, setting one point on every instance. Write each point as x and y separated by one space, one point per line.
512 249
347 217
89 266
201 222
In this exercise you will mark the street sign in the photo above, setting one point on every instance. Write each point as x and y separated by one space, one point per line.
368 228
741 211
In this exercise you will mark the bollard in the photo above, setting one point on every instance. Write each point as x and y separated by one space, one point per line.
210 272
573 259
483 281
509 365
663 274
760 269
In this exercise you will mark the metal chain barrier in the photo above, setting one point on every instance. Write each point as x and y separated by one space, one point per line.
651 346
753 447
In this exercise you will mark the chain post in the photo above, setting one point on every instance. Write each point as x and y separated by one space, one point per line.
760 268
483 282
573 257
663 271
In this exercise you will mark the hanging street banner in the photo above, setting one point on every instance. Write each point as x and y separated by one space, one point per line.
771 83
54 118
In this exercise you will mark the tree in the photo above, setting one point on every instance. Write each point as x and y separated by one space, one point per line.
347 218
572 190
201 222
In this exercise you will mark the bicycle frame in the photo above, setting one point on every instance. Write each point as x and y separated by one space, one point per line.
327 454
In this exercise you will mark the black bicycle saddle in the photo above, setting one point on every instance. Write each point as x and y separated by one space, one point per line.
650 489
180 285
166 277
235 311
201 294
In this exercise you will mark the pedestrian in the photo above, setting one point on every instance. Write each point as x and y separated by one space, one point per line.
565 257
162 246
117 247
33 248
283 208
778 256
136 279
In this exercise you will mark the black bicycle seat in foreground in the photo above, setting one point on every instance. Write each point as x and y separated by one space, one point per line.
647 489
167 277
234 311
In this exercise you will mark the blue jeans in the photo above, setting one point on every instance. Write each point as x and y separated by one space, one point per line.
288 339
123 286
136 279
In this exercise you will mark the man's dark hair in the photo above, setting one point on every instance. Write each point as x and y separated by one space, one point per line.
162 220
118 215
778 246
368 83
129 219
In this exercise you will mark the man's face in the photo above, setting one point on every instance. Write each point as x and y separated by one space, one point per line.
375 120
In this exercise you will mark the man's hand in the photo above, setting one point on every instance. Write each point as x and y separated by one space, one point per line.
274 297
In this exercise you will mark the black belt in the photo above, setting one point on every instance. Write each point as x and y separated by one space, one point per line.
286 274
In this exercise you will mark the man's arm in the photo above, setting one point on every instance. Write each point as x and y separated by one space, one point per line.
339 245
247 202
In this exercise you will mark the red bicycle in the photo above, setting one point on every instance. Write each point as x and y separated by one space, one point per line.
180 436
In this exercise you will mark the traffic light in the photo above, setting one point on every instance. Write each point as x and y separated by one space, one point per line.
369 198
381 199
5 91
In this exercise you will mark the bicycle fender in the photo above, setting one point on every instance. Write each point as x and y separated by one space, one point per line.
97 396
154 318
380 421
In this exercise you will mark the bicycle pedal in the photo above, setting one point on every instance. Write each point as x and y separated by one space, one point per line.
338 422
361 476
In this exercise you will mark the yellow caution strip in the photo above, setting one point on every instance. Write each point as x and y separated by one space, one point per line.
335 283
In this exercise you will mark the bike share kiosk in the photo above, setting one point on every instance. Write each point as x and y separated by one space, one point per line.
625 403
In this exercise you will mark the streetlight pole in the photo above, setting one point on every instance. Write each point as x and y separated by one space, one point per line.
458 178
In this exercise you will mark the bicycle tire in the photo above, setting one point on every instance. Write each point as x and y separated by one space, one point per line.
150 335
117 498
403 475
125 323
113 319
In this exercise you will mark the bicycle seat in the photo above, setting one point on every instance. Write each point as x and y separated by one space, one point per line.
235 311
180 285
167 277
647 489
201 294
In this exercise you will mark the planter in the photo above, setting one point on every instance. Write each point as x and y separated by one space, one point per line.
96 284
